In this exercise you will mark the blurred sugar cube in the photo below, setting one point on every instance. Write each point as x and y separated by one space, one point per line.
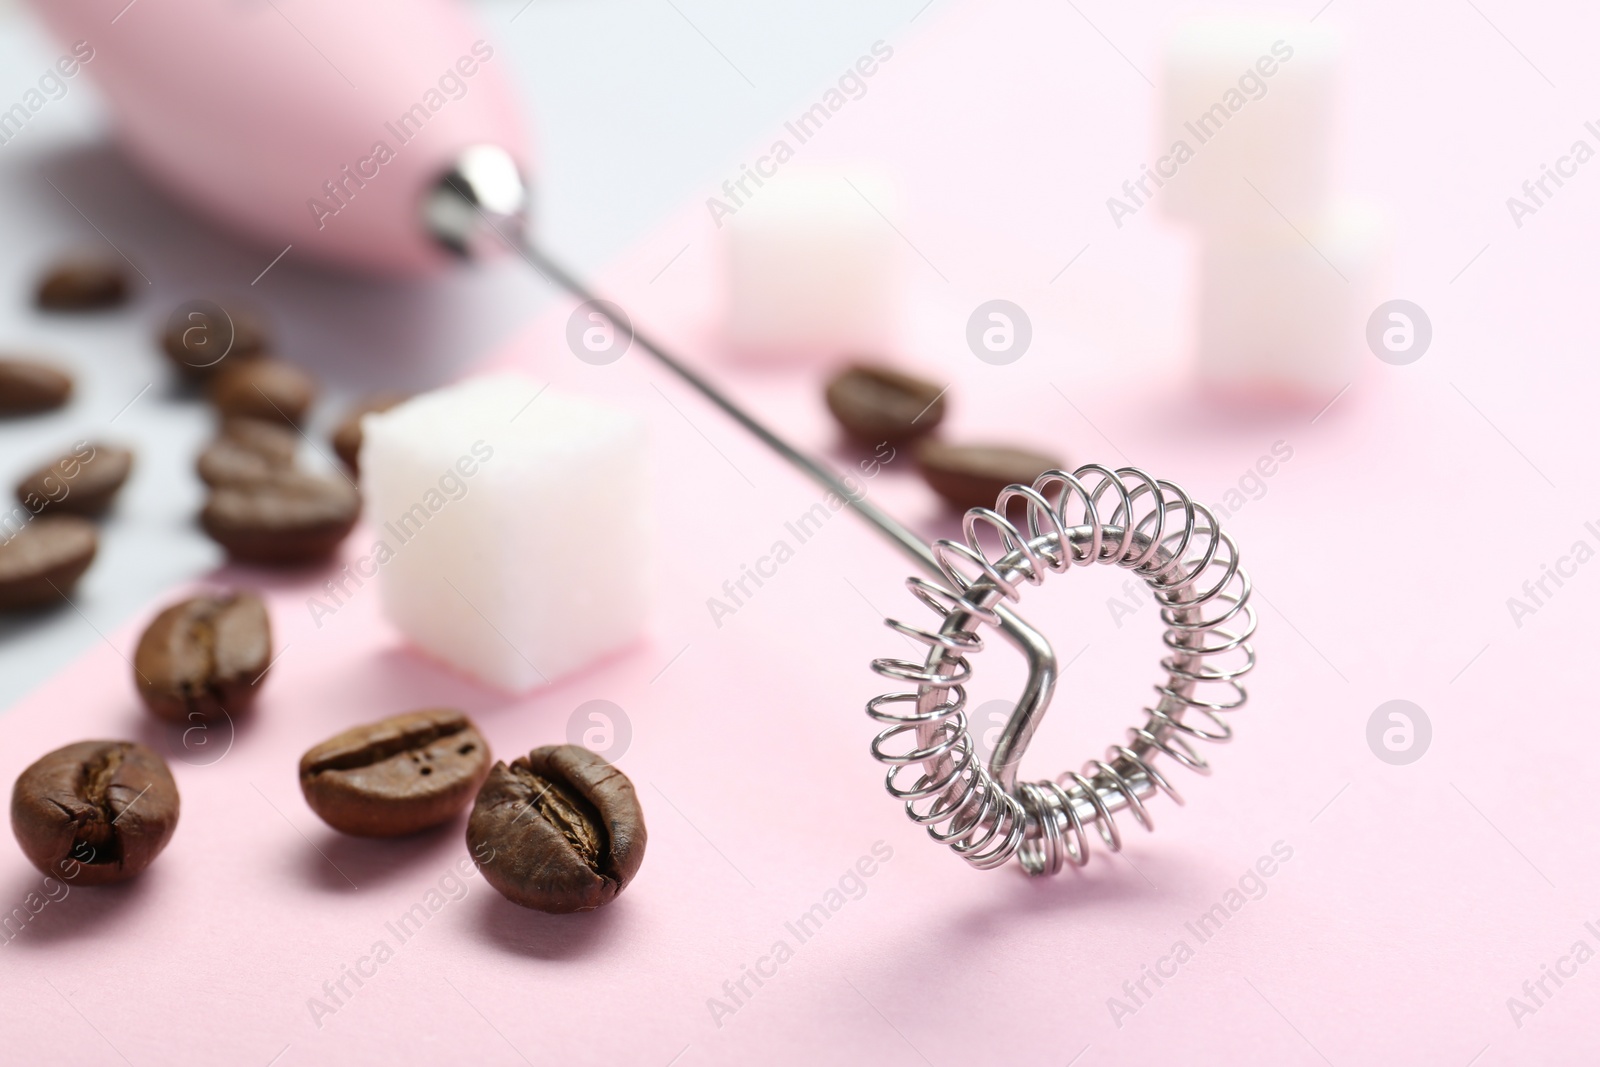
516 525
1282 314
1244 156
813 269
1246 129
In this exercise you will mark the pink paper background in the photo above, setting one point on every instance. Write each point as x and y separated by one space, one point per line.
1418 898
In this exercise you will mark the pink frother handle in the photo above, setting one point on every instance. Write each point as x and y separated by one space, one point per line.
247 109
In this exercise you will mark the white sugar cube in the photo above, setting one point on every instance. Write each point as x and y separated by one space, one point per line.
1282 314
516 527
813 268
1246 130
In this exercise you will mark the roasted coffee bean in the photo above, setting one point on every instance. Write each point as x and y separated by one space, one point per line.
84 283
972 476
42 562
203 336
877 404
204 659
347 435
247 450
558 830
82 482
266 389
396 776
27 387
289 518
95 812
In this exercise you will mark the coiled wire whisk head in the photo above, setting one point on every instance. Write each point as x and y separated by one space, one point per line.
1153 529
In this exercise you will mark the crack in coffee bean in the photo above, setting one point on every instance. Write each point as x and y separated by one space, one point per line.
203 659
106 807
397 776
96 821
561 829
574 817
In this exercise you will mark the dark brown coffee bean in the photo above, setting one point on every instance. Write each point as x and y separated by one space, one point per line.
877 404
27 387
347 435
95 812
204 659
266 389
396 776
83 283
972 476
203 336
82 482
42 562
289 518
247 450
558 830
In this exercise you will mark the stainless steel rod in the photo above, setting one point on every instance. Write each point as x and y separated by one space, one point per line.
913 545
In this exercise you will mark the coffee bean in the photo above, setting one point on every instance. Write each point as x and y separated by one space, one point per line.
878 404
289 518
558 830
27 387
972 476
85 283
95 812
247 450
347 435
396 776
263 389
82 482
203 336
43 561
204 659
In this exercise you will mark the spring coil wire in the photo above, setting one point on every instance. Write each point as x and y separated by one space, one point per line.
1155 530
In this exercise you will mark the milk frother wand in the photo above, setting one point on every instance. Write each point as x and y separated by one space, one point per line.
983 813
237 110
